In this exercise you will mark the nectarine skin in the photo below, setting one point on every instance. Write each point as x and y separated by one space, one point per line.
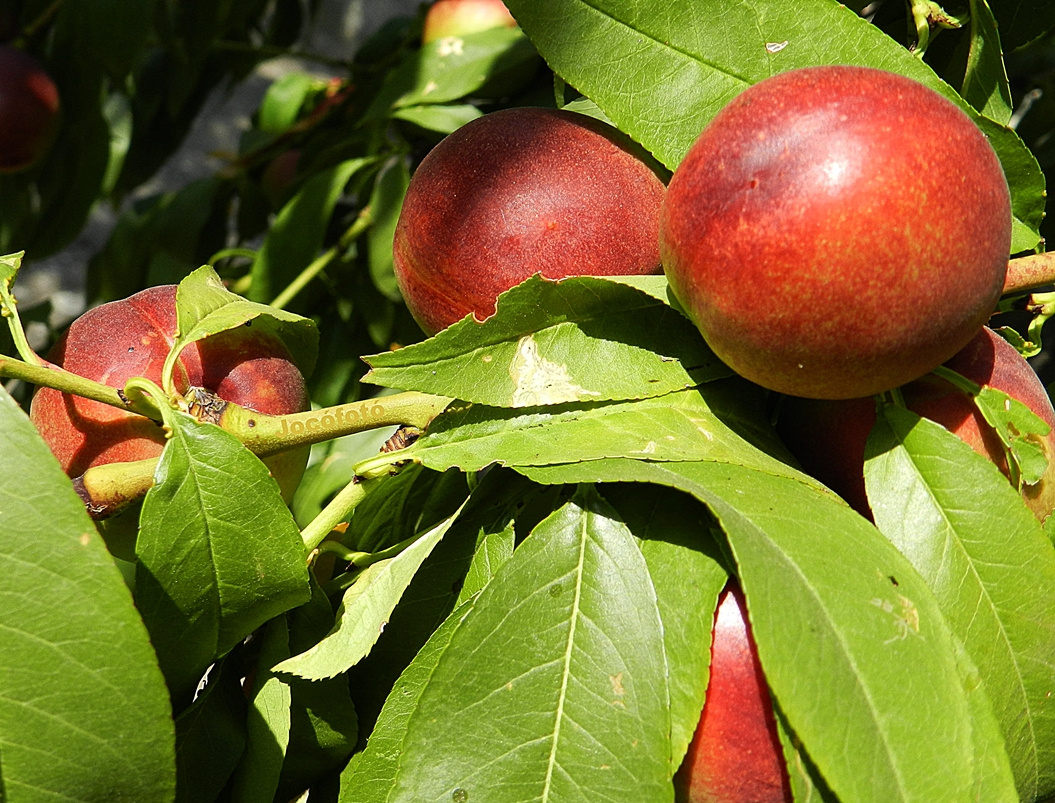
29 110
462 17
828 437
835 232
735 755
518 192
123 339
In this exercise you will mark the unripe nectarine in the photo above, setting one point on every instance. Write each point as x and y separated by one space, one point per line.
29 110
735 755
462 17
835 232
518 192
828 437
123 339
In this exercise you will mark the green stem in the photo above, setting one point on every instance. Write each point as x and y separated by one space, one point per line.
958 380
333 514
320 263
108 489
270 434
51 376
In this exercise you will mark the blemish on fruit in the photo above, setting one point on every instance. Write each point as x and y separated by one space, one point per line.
539 381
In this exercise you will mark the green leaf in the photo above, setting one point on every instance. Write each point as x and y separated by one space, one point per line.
210 736
386 200
987 561
450 68
219 553
662 71
298 231
580 339
985 84
205 307
1021 430
283 101
1021 21
364 611
883 688
110 32
370 775
267 724
682 558
553 686
442 119
705 423
84 712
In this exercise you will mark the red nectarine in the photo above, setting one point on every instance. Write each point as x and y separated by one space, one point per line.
835 232
29 110
735 755
828 437
461 17
518 192
123 339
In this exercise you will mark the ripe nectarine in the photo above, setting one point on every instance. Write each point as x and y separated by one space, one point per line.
518 192
123 339
835 232
461 17
29 110
735 755
828 437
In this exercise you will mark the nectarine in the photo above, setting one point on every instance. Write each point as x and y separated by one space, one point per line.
123 339
828 437
29 110
461 17
735 755
518 192
835 232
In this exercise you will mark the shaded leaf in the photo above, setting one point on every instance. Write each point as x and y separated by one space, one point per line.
297 233
364 611
985 84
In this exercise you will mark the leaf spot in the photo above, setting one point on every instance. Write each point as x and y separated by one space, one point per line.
776 47
451 46
539 381
904 613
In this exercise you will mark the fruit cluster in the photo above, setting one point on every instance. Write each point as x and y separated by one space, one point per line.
834 233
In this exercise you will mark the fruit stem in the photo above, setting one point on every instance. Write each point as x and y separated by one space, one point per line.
266 435
51 376
333 514
110 488
318 265
1029 272
9 267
